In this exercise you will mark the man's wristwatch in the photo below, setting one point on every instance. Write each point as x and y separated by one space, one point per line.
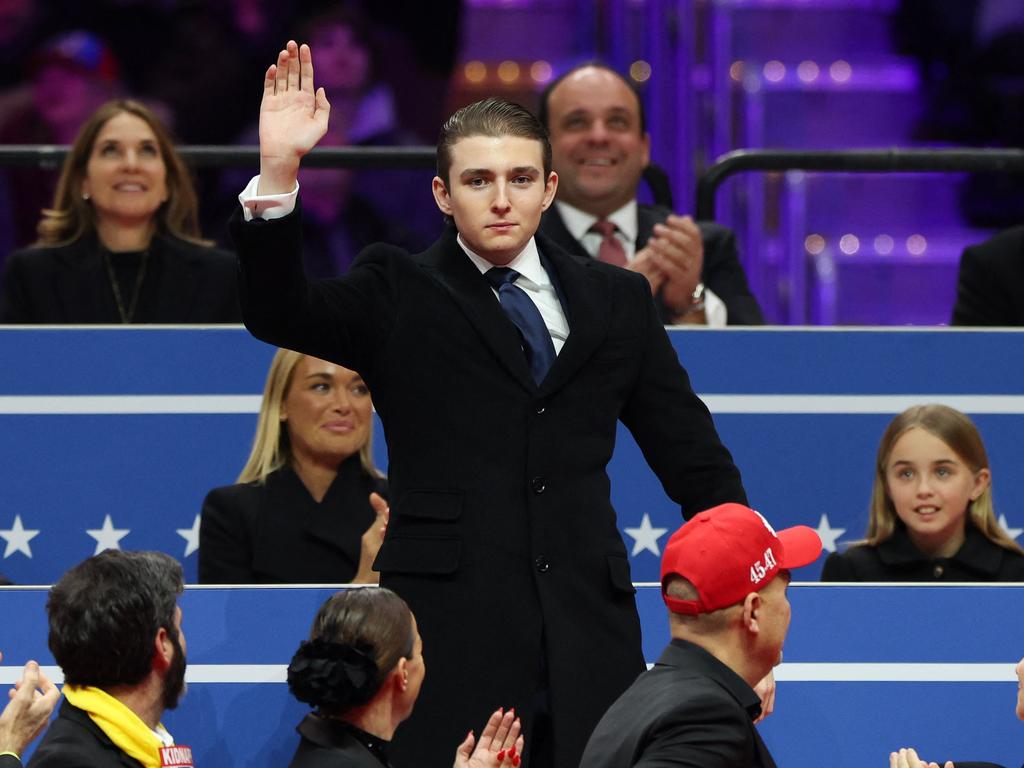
696 300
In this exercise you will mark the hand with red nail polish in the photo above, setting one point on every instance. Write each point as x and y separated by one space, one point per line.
501 742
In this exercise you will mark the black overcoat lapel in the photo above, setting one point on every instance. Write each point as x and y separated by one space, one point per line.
585 301
473 295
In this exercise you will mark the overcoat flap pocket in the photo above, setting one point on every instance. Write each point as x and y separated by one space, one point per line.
401 554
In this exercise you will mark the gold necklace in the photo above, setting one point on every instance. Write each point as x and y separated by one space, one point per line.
126 315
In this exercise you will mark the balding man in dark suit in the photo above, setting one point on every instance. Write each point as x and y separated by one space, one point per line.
601 147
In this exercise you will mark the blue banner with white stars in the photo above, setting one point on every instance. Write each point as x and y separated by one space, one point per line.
112 437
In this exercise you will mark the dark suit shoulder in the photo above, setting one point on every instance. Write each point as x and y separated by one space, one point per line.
670 716
74 741
239 496
226 530
658 214
41 256
354 755
714 233
45 254
208 256
202 250
327 744
32 253
990 282
1007 245
30 275
385 252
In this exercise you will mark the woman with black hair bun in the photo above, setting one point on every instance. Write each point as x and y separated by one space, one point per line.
361 670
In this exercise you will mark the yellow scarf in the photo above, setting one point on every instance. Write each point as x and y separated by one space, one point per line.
122 726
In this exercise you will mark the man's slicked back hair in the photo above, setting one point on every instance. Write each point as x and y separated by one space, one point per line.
105 613
491 117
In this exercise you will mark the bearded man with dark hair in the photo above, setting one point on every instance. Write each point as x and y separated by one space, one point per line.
115 631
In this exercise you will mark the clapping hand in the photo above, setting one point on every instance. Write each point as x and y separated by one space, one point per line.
371 541
32 701
765 691
907 758
673 261
500 745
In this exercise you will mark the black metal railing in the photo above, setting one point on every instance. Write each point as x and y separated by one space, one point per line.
200 156
852 161
739 161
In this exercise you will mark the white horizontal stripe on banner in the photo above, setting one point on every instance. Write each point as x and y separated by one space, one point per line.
127 404
43 405
841 404
832 672
895 673
196 673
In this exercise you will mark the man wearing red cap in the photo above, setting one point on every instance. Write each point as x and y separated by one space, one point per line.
723 577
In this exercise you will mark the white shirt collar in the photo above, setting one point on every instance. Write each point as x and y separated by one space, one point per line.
579 222
527 263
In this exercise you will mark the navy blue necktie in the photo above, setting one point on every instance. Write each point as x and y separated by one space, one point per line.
540 351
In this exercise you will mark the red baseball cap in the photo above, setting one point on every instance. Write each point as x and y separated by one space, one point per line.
729 551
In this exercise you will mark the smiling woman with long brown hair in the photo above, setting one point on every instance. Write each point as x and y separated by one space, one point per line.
121 243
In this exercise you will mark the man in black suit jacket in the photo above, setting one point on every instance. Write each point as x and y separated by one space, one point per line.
502 537
601 147
990 288
723 577
115 631
27 713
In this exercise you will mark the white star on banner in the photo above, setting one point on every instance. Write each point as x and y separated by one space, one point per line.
645 537
108 537
191 537
828 534
1012 532
18 538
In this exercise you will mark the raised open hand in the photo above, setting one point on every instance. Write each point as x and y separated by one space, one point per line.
31 701
293 117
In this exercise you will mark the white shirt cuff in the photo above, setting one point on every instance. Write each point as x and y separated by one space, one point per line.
266 206
715 311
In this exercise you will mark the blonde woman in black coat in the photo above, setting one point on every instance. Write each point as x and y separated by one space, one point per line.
309 505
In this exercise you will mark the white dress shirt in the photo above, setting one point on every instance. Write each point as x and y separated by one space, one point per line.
536 282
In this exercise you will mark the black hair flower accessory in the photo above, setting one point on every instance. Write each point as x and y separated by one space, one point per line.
332 675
